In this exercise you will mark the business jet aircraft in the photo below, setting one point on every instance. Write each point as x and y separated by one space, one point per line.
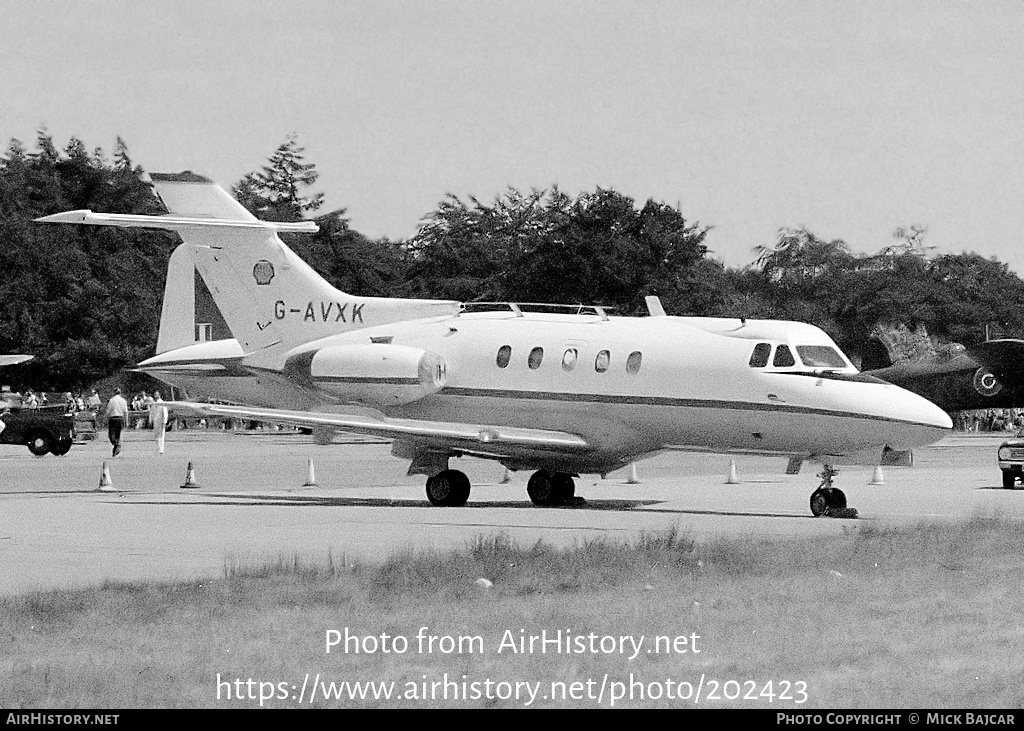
532 387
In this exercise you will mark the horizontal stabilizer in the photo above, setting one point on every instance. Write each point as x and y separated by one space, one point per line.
173 223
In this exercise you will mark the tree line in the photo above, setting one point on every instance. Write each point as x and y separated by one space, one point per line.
86 300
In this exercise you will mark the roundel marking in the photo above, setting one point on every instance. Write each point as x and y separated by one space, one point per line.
986 383
263 272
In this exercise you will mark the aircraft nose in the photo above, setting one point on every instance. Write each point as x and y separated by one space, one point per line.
926 422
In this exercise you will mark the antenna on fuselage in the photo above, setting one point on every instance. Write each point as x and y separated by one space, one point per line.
654 308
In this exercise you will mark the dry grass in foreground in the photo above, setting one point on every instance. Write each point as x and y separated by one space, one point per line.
929 616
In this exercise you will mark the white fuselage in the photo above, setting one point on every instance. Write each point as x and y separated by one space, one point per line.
684 387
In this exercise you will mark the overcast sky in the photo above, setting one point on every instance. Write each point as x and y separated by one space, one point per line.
849 118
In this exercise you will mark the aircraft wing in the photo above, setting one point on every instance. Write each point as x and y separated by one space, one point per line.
481 439
6 360
1004 357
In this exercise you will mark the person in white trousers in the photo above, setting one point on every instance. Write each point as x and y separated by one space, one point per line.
158 418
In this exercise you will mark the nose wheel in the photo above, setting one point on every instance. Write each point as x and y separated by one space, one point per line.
828 500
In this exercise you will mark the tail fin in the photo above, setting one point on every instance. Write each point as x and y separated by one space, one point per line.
271 299
892 344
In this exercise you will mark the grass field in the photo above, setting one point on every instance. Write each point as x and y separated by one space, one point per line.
930 616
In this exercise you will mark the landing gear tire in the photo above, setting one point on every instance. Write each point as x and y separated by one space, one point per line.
550 488
62 447
541 488
448 489
40 443
565 487
827 501
1009 480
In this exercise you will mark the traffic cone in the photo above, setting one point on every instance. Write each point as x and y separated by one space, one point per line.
633 478
732 479
876 478
506 477
190 478
310 475
105 484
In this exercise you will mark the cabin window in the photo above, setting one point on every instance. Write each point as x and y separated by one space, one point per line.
569 359
820 356
783 357
602 361
759 358
536 356
504 355
633 362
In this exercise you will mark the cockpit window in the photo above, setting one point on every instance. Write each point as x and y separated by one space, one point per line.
783 357
820 356
759 358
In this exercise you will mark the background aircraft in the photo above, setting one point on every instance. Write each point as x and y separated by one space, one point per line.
955 377
534 388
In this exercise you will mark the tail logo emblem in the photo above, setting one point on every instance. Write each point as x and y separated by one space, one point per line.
263 272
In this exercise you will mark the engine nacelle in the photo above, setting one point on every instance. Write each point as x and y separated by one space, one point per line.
378 375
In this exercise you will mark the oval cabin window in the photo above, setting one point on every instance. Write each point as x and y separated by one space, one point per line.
569 359
633 362
504 355
602 361
536 356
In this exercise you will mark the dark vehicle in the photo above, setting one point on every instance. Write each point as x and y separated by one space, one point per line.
1011 460
42 429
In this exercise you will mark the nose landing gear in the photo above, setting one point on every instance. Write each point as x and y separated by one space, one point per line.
828 500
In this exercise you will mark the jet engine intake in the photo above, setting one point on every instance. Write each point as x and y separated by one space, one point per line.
377 375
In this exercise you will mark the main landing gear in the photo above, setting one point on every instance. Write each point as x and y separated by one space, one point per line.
450 488
828 500
547 488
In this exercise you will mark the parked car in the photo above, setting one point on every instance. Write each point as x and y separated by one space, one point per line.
1011 460
42 430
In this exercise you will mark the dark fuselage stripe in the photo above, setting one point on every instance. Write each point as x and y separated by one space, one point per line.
663 401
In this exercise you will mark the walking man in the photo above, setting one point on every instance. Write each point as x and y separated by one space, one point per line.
116 413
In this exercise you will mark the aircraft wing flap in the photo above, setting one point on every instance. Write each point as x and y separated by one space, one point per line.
470 437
